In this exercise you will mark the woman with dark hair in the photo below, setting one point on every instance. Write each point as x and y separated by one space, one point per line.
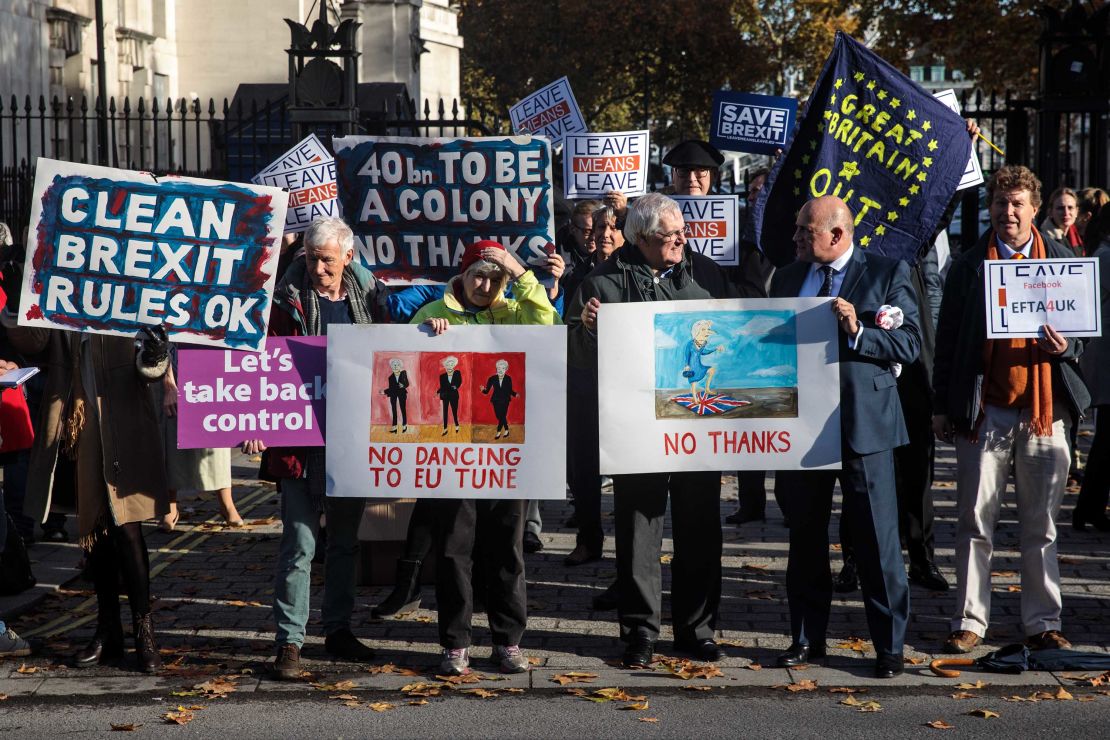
1090 508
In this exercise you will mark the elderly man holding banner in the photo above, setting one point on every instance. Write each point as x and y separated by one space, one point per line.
324 288
657 265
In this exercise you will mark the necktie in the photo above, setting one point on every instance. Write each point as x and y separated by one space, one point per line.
1018 256
826 283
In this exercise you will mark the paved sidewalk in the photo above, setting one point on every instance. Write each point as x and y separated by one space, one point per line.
213 586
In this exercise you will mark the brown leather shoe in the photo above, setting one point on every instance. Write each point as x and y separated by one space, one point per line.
287 665
961 641
1048 640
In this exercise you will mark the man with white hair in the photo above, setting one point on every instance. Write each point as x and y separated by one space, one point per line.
656 264
323 289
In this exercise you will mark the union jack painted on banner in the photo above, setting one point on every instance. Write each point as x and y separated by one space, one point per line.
709 405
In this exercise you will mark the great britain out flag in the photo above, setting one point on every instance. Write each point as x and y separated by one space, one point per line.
877 140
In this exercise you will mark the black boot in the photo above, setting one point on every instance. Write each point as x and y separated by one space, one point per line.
105 648
146 652
406 591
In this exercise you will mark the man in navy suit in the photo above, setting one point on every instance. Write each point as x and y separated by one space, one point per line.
859 283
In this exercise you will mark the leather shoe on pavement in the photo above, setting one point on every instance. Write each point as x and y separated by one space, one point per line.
796 655
889 666
581 554
343 644
639 653
607 600
532 542
961 641
1048 640
743 517
928 576
847 580
706 649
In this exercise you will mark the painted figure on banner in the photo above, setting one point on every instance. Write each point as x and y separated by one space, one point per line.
502 386
750 356
398 392
449 382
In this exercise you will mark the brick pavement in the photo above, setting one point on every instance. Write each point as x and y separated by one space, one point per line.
214 584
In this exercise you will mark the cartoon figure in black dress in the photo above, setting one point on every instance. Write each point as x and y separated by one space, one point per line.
502 387
449 382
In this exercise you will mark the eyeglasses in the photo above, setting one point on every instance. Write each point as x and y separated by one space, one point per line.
698 172
670 236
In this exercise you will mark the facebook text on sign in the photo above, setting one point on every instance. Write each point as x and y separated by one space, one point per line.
308 172
277 396
1023 295
711 225
415 204
745 122
595 164
551 111
111 251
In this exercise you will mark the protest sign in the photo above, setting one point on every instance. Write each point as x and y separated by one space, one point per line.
310 150
551 111
1023 295
595 164
973 173
415 204
877 140
110 251
718 385
478 412
745 122
308 172
226 396
712 225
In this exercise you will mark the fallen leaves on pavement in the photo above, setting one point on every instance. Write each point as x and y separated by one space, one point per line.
338 686
806 684
753 666
861 706
382 706
965 695
858 644
664 559
652 720
573 677
636 706
218 687
391 668
976 685
24 668
984 713
846 690
940 724
180 716
686 669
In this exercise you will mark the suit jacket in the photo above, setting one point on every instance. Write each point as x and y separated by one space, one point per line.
870 412
449 390
398 386
502 393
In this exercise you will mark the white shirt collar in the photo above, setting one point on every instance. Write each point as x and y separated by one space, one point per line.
1005 251
840 263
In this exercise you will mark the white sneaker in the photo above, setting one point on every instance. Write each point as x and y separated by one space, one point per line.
455 662
510 659
12 645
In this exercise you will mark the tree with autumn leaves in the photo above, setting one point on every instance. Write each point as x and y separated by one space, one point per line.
656 63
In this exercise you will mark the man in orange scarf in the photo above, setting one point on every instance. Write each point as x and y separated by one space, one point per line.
1006 404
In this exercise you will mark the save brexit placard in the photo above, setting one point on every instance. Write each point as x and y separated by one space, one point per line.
551 111
1024 295
110 251
596 164
711 225
746 122
226 396
718 385
477 412
415 204
307 171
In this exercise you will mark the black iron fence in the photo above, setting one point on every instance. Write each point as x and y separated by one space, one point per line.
231 141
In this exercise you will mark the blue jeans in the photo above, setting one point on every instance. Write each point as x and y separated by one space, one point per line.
292 584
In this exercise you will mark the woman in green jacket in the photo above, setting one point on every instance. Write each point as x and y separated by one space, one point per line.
477 296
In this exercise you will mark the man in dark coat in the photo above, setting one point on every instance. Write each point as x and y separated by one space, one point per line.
859 283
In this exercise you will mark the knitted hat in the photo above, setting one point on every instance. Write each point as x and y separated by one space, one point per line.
473 253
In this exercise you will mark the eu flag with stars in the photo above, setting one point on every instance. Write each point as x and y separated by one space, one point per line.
878 141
